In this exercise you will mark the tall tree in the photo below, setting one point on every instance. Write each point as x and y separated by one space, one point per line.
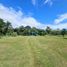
34 31
48 29
20 30
27 30
2 24
8 27
63 32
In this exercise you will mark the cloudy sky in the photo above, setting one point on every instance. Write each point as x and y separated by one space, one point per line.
35 13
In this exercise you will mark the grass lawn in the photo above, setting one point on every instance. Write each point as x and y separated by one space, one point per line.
33 51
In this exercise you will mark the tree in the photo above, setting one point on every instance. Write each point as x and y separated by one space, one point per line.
48 30
28 27
8 28
56 32
63 32
34 31
20 30
2 24
41 32
27 30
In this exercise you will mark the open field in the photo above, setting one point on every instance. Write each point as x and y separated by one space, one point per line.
31 51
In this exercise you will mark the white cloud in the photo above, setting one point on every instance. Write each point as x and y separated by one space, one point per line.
61 18
60 26
17 18
48 2
33 2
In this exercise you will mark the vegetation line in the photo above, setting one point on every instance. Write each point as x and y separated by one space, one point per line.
6 29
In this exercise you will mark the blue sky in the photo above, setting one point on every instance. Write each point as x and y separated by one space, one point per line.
35 13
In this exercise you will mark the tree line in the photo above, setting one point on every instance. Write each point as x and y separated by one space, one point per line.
7 29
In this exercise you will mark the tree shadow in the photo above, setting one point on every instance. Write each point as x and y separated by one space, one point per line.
65 38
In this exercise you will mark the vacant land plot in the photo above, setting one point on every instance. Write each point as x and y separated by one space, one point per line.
31 51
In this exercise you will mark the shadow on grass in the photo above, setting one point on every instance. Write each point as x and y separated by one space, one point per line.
65 38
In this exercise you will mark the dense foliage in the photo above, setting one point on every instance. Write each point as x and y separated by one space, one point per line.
7 29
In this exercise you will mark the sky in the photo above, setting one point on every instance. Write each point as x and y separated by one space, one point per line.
35 13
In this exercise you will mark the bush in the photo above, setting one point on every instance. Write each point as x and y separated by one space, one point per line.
12 34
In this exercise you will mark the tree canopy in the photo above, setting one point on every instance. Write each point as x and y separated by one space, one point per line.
7 29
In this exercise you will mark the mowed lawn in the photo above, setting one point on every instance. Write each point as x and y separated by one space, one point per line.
33 51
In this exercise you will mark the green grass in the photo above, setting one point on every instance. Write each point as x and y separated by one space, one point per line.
31 51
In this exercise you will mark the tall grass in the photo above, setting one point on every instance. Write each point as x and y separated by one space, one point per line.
33 51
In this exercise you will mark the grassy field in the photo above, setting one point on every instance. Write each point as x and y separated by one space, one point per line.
31 51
